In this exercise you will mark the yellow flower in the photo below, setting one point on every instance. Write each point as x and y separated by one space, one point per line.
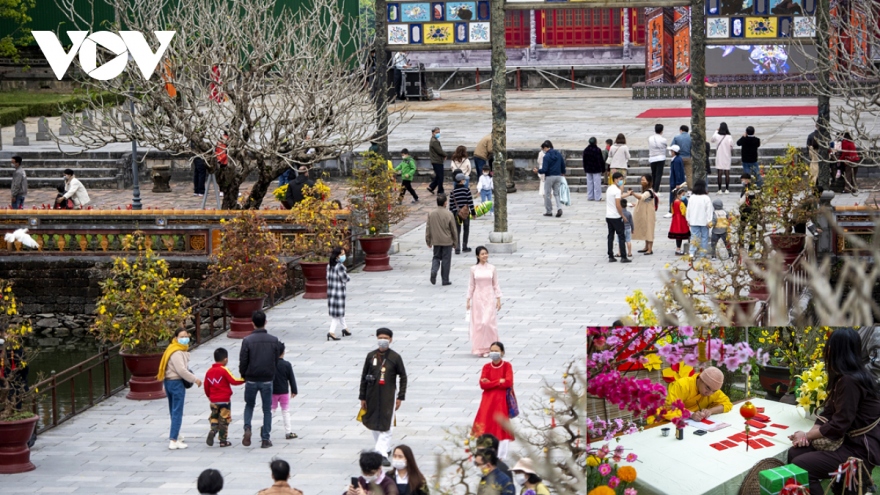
627 474
592 461
601 490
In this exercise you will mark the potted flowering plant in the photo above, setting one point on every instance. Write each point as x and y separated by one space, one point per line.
812 391
323 235
16 422
374 206
248 260
605 475
280 194
788 197
798 348
140 307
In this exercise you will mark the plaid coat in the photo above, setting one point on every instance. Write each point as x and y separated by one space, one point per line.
337 277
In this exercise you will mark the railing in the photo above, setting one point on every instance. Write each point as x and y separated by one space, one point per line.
794 284
51 401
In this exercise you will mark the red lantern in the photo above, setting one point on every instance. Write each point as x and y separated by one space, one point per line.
748 410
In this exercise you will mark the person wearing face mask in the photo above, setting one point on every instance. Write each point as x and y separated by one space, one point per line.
437 156
337 278
495 380
382 368
173 370
615 218
406 474
524 475
493 481
373 481
484 302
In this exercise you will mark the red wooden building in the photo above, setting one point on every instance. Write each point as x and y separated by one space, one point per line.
574 27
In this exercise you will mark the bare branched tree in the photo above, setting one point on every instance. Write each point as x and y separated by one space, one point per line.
288 87
843 73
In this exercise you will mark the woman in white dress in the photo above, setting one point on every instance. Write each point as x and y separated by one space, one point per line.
483 301
723 151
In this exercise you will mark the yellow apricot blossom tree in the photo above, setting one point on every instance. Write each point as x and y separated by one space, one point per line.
141 304
318 215
13 354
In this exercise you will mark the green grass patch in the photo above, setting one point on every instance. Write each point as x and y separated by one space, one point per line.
11 115
47 104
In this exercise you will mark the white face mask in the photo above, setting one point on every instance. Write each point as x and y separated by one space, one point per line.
520 479
398 463
371 478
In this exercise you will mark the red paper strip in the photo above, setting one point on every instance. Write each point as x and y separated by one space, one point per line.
764 442
781 427
718 446
728 443
768 433
739 437
754 444
759 409
706 421
756 424
762 418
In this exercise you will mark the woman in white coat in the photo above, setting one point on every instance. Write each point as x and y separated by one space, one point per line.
73 189
619 154
699 216
723 142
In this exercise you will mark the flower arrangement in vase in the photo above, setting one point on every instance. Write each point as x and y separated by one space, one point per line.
799 348
812 391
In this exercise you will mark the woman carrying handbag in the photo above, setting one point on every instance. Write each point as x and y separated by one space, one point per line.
498 399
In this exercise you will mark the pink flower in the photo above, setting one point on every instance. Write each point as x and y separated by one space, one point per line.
617 458
604 469
613 482
631 458
630 491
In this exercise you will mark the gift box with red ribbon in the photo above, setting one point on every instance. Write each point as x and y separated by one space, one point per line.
777 480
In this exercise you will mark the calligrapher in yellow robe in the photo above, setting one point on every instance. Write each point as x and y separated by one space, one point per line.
700 393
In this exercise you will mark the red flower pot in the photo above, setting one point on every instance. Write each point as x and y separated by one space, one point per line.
242 311
143 384
740 313
15 456
789 245
376 250
315 273
758 286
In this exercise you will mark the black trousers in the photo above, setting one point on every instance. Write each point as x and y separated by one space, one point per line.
467 231
657 174
398 82
200 174
407 186
437 182
818 463
442 261
616 226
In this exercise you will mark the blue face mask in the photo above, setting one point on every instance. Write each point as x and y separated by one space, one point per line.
437 135
183 340
341 258
620 183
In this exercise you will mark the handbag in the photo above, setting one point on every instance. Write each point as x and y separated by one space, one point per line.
608 160
512 405
464 213
187 383
829 445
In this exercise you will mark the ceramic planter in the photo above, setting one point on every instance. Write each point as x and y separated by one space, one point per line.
143 384
376 249
315 273
242 311
740 313
773 378
15 456
789 245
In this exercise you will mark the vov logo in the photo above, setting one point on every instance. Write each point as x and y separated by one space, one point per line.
123 44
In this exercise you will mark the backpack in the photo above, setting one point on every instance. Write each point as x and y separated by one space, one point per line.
720 221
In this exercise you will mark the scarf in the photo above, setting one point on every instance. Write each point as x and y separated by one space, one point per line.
171 349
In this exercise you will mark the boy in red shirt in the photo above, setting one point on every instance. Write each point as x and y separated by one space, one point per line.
218 381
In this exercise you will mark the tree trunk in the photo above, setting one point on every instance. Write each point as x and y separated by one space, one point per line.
499 114
698 89
229 183
823 58
381 78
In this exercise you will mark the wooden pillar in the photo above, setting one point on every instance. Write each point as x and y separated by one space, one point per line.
698 88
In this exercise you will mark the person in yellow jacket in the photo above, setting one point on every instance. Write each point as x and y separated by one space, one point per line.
701 394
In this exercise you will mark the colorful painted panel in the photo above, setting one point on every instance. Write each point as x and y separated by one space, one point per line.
785 27
393 12
804 27
439 33
483 10
398 34
479 32
416 34
761 27
437 12
460 11
718 27
415 12
461 32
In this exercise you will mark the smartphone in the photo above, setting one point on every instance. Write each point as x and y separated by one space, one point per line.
354 481
700 432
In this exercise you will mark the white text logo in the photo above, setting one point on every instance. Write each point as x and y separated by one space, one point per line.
123 44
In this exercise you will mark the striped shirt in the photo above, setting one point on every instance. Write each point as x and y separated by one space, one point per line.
461 196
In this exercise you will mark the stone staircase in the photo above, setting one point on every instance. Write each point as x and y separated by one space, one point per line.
45 169
639 165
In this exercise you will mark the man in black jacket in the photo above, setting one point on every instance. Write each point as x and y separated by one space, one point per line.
750 145
295 189
257 363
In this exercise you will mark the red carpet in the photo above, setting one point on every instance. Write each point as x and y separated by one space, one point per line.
668 113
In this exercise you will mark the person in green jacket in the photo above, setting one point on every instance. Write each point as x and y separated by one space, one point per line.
407 170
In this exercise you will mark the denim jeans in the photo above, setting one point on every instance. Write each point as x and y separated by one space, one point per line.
250 399
701 235
176 393
486 195
755 171
479 163
17 202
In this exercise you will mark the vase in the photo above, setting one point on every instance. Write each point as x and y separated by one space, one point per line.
789 246
376 249
315 273
740 313
242 311
15 456
143 384
776 381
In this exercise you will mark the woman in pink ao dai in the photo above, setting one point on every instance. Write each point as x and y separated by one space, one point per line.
483 301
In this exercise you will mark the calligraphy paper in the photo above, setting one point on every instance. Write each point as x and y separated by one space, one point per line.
728 443
781 427
764 442
754 444
762 418
756 424
718 446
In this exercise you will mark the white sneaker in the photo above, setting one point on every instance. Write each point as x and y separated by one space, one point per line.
727 191
176 445
668 215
